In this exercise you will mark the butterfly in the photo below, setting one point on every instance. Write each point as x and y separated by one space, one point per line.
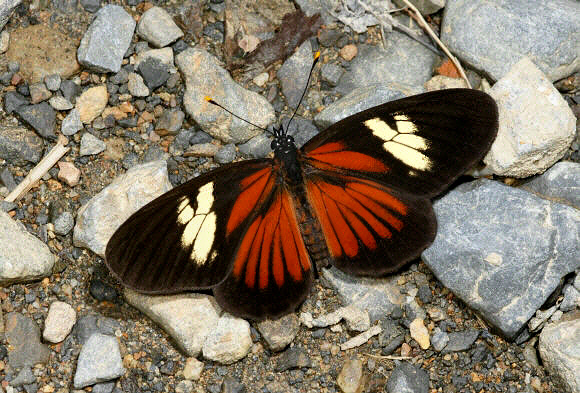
356 196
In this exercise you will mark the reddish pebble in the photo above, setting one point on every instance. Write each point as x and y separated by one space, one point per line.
69 173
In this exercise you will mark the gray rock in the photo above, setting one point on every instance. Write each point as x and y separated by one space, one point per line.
70 90
439 339
98 219
403 61
425 7
170 122
6 8
294 73
560 351
7 179
499 261
571 299
136 86
72 123
99 361
229 341
38 93
19 145
154 72
64 223
257 147
24 377
188 318
41 117
493 36
52 82
226 154
120 77
103 387
361 99
107 39
391 338
279 333
536 125
293 358
408 378
561 183
158 28
13 100
204 76
23 337
60 103
379 296
92 324
90 145
91 6
331 73
461 341
23 257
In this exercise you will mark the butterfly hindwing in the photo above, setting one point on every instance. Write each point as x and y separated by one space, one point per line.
419 144
272 272
185 239
369 228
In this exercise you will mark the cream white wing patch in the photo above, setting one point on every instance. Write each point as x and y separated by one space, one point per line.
402 142
200 224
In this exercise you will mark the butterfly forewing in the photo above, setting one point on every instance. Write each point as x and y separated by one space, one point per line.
186 238
419 144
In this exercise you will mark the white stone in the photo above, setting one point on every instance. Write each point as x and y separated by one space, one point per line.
59 322
229 341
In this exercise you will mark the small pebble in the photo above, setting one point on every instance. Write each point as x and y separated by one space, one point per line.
348 52
59 322
69 173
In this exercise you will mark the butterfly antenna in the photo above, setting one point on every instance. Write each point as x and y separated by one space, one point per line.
316 57
211 101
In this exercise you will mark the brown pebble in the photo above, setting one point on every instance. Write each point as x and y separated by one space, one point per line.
69 173
348 52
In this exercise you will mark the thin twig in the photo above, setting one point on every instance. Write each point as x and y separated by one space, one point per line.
39 170
432 34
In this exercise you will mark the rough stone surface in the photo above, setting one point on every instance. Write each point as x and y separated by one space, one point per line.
351 377
6 8
280 332
92 102
229 341
59 322
99 361
403 61
560 351
23 337
158 28
136 85
23 257
536 125
72 123
203 75
493 36
499 261
19 145
407 378
187 318
361 99
105 212
55 53
379 296
561 183
107 39
293 73
41 117
91 145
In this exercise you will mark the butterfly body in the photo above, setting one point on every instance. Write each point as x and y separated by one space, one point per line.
355 196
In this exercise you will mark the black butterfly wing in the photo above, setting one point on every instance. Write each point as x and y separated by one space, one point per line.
184 239
419 144
233 229
369 177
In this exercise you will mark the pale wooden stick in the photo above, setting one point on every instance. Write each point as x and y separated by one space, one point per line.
39 170
432 34
389 357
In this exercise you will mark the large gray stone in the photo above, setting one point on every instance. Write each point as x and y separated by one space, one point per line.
363 98
98 219
205 77
19 145
107 39
23 257
561 183
6 8
494 35
99 361
560 351
503 250
294 73
403 61
157 27
536 125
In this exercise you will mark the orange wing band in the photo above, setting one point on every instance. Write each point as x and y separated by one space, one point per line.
336 154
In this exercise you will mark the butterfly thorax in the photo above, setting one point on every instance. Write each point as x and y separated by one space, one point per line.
286 154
